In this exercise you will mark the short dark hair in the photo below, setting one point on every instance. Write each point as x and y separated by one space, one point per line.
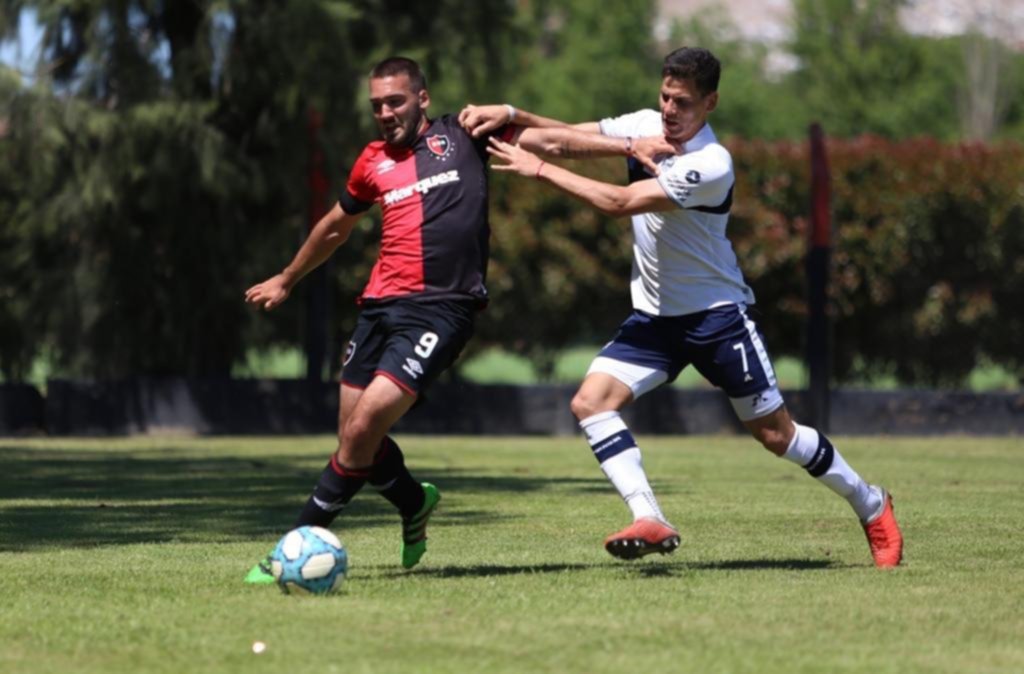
693 63
399 65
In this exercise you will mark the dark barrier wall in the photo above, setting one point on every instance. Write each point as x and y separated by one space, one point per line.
213 406
296 406
21 410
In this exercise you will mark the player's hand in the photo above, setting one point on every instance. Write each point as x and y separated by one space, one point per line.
515 158
270 293
479 119
647 148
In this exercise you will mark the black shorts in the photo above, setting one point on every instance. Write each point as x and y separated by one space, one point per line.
409 342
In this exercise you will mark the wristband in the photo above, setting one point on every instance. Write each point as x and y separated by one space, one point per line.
511 113
539 167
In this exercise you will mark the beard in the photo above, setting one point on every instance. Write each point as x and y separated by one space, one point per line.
403 132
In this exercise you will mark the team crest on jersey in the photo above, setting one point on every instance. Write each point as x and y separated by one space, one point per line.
439 145
385 166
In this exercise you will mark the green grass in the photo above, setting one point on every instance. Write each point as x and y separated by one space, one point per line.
127 555
495 366
278 362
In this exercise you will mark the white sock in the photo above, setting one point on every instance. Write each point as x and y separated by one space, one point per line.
621 462
812 451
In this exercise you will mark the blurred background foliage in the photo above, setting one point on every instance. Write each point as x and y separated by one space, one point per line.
154 164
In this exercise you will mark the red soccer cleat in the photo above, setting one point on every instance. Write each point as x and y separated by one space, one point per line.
643 537
884 536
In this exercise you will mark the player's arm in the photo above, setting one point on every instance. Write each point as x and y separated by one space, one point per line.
554 138
570 143
479 120
643 196
330 232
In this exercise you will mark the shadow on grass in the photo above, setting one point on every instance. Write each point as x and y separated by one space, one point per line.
668 569
646 569
80 497
486 570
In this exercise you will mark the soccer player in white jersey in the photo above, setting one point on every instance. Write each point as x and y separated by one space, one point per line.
689 296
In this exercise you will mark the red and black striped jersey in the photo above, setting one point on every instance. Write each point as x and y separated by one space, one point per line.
433 197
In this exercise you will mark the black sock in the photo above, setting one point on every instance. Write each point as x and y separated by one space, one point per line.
335 488
394 482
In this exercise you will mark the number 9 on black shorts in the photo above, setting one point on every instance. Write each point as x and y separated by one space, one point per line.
409 342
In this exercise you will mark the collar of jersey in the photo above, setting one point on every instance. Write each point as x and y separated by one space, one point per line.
703 138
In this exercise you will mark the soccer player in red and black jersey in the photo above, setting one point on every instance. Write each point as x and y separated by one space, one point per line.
417 310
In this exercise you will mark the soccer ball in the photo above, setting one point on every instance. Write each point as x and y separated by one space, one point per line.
309 560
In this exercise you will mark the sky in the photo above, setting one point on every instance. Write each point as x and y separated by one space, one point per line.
20 53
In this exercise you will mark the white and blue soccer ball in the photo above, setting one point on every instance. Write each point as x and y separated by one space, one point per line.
309 560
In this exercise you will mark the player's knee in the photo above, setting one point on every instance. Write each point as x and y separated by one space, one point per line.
581 406
355 431
775 440
585 404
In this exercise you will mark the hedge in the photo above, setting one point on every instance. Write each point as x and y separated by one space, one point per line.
928 258
928 276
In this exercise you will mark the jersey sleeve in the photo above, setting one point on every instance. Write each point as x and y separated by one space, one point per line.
505 133
633 125
701 180
359 193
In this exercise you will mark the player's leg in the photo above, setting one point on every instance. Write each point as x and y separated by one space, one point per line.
597 407
341 479
740 365
364 419
425 338
392 479
415 501
365 443
626 368
388 473
815 453
366 454
365 416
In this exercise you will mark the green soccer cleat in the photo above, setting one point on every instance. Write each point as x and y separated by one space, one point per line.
414 529
260 574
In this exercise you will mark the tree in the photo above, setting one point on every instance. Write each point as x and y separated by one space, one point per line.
860 72
755 101
988 65
161 163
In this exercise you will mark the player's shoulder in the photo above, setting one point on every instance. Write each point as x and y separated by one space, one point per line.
645 122
448 124
371 162
712 154
706 141
703 152
371 150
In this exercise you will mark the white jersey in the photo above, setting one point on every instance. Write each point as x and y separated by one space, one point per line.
682 261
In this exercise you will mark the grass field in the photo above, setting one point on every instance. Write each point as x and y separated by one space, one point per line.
127 555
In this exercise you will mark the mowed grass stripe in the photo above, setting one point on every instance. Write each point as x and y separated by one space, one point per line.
127 556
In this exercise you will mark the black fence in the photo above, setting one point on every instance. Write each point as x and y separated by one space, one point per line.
262 407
